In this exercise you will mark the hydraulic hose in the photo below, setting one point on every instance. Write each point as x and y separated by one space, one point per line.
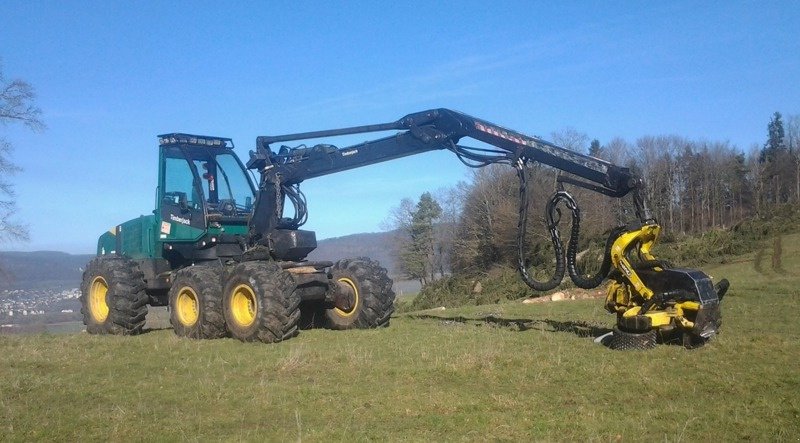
581 281
553 214
558 275
589 282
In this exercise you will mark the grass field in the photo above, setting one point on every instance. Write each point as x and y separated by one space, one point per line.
426 379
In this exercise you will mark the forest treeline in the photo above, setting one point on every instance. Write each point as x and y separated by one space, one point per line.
692 186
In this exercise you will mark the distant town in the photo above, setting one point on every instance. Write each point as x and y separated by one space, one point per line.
26 306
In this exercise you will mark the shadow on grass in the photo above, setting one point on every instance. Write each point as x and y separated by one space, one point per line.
579 328
156 329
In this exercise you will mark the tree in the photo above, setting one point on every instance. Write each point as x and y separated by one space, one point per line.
451 201
595 149
423 239
17 105
417 242
571 138
775 138
780 168
488 219
793 143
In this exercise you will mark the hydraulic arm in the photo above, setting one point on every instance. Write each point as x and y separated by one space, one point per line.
426 131
419 132
646 294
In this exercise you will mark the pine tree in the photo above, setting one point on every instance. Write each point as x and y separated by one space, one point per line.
417 251
775 140
594 148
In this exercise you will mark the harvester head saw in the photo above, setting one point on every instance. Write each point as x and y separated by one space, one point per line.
656 302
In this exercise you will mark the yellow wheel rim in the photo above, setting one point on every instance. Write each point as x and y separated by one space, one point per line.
356 299
187 307
244 305
98 306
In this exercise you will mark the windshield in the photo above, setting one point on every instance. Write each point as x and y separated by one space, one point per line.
207 177
232 183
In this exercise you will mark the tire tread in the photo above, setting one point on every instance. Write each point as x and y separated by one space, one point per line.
126 298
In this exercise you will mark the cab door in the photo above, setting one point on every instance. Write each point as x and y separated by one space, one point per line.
180 199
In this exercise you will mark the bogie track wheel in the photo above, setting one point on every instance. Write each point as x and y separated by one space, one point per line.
371 292
195 301
260 302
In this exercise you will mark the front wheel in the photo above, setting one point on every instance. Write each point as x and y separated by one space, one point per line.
113 298
373 297
260 302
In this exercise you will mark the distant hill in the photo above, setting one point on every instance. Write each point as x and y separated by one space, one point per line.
59 270
375 245
41 270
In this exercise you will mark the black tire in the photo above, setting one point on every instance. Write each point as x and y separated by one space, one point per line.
195 303
260 302
113 298
374 295
632 341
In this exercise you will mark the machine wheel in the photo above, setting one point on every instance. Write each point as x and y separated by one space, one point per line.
260 302
113 298
374 298
632 341
195 303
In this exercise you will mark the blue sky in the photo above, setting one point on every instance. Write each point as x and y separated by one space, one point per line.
111 75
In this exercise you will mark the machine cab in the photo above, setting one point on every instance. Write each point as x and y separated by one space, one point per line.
203 188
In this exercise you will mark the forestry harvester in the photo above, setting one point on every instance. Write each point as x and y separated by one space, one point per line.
229 260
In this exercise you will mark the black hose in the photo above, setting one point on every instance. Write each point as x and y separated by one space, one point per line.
553 215
589 282
298 201
558 275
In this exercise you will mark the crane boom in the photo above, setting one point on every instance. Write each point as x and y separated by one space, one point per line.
430 130
418 133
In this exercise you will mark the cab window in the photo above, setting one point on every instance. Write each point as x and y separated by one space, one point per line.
179 183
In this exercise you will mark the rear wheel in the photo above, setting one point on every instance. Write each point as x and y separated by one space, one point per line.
373 298
113 298
195 301
260 302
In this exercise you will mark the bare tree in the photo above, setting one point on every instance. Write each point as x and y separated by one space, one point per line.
17 105
399 223
451 201
571 139
793 142
756 175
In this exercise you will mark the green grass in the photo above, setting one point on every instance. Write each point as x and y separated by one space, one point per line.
426 379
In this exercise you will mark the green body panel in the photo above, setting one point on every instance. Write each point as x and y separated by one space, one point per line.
107 242
135 239
182 233
177 232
